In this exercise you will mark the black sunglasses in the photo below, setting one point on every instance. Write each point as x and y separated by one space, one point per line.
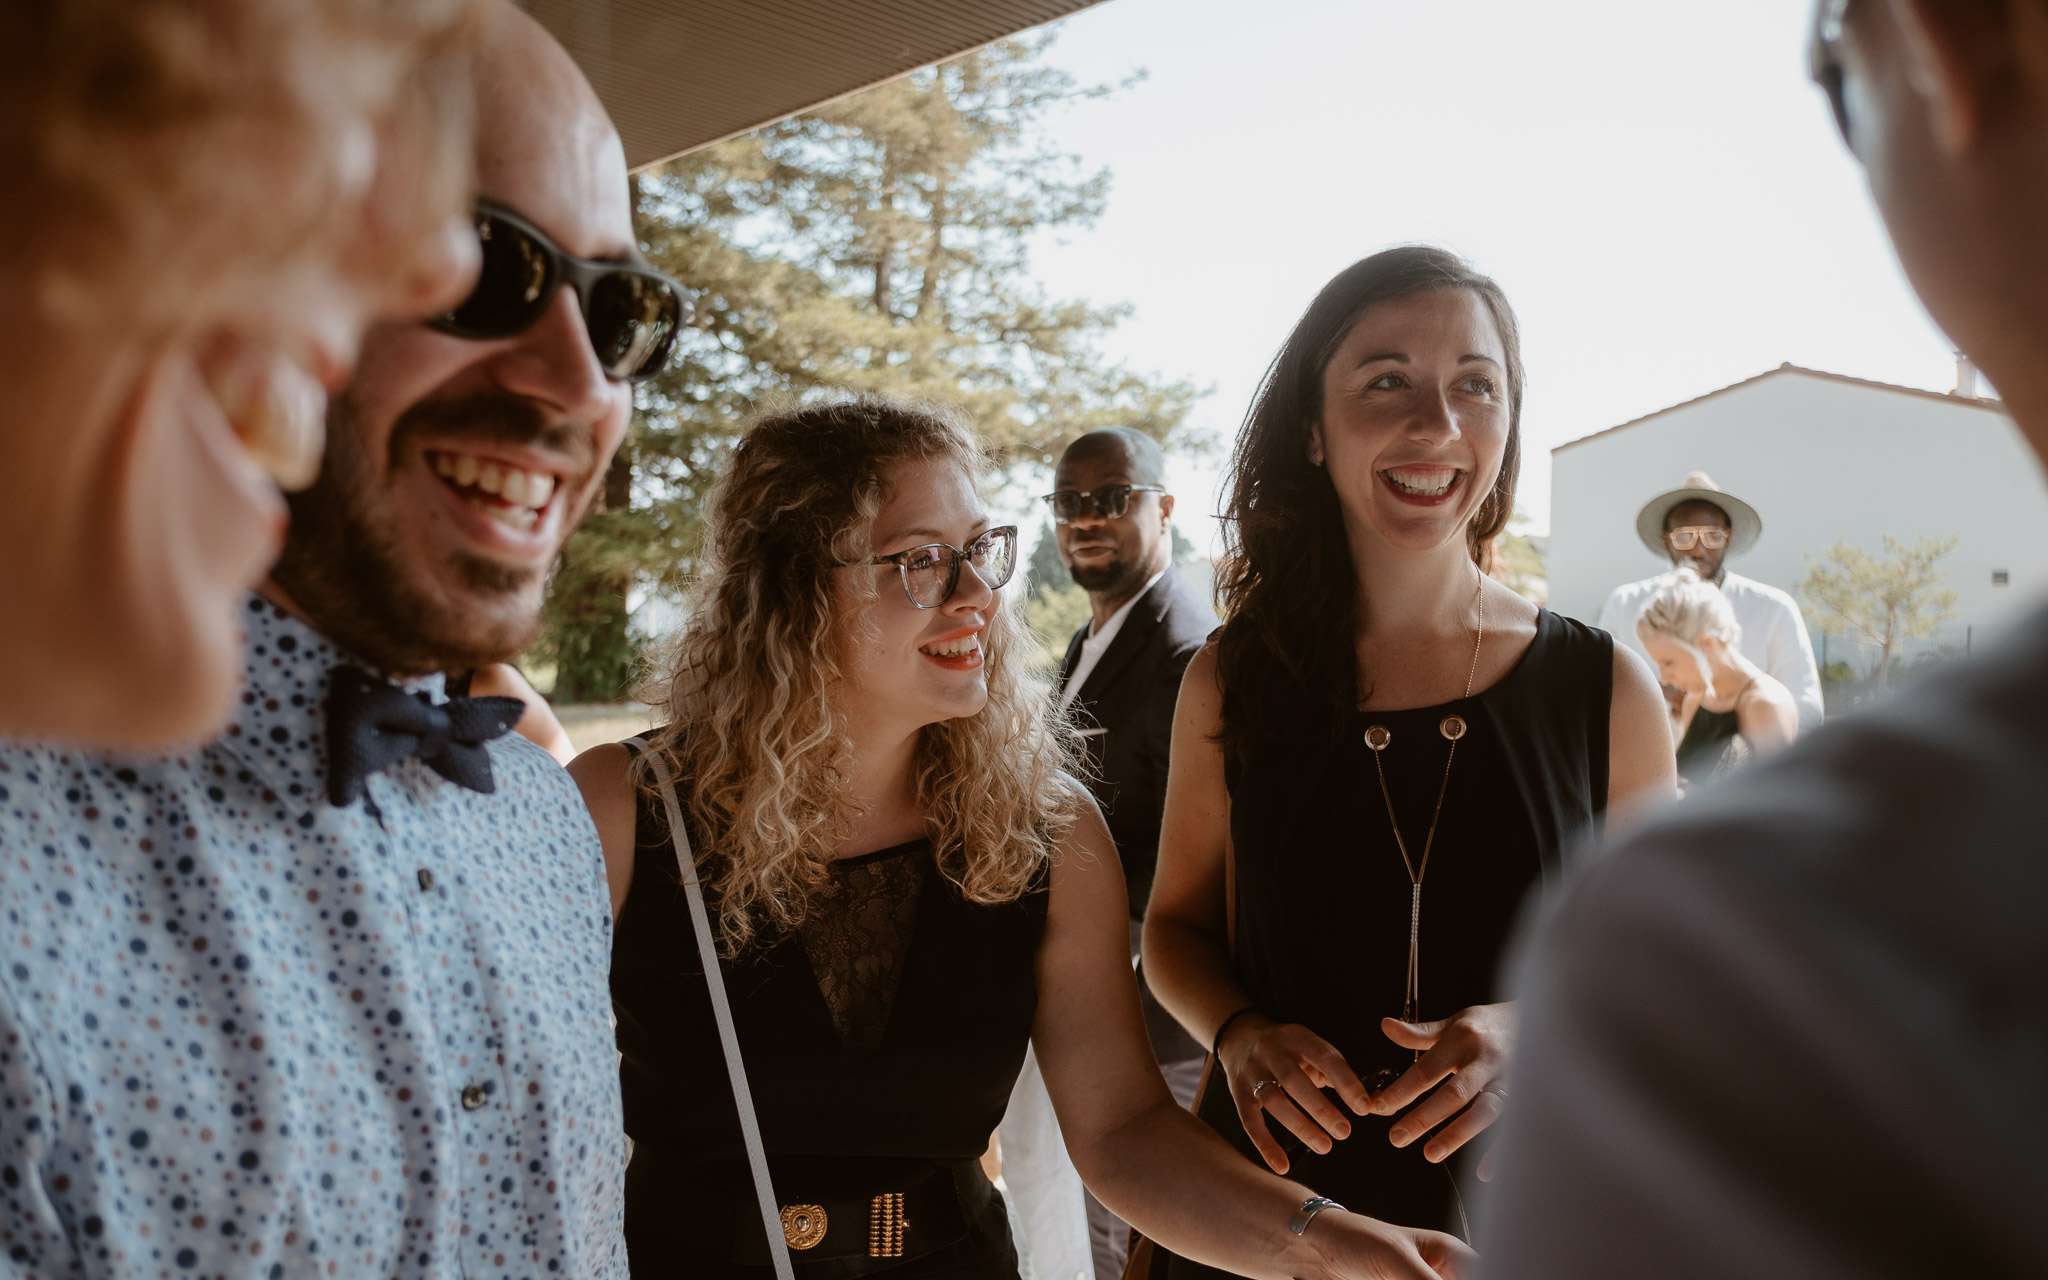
1824 59
631 312
1108 503
931 572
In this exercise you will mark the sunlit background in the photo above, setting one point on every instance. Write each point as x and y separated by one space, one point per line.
1658 187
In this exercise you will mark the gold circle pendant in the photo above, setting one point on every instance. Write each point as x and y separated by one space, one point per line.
1377 737
1452 727
803 1225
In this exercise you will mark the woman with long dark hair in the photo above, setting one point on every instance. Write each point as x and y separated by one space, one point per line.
1382 751
906 888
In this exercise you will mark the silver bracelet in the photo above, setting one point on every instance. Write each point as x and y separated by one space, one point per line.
1308 1211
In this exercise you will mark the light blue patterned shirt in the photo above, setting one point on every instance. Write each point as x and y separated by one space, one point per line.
246 1033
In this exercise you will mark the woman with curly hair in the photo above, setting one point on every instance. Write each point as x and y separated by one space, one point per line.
1381 752
207 201
907 888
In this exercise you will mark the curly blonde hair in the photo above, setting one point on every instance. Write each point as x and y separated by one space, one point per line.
174 159
755 739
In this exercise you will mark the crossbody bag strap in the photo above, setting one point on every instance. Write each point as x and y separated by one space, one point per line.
721 1012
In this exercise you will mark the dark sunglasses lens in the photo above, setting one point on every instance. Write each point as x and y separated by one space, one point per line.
1111 501
1066 505
512 285
633 321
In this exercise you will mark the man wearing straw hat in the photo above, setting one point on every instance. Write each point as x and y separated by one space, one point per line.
1700 525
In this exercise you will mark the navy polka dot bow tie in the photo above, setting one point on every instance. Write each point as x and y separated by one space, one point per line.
372 725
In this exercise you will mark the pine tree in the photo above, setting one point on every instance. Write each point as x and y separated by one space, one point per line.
878 244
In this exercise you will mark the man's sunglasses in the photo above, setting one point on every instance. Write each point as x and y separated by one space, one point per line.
1108 503
931 572
1824 59
631 312
1690 536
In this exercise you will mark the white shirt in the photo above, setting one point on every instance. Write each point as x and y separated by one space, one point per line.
1098 642
244 1032
1773 634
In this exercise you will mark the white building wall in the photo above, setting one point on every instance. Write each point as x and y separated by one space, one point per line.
1821 459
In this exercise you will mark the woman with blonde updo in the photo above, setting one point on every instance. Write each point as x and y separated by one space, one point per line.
1733 710
906 889
208 201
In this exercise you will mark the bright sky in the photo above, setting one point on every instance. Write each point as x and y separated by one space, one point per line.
1657 186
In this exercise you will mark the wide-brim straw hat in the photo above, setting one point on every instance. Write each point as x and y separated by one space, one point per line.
1745 525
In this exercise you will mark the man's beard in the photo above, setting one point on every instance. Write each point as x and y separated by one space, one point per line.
1110 575
347 569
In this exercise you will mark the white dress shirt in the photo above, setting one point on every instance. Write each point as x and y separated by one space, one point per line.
1773 634
1098 642
246 1033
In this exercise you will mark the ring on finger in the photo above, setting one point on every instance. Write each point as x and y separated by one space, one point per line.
1261 1085
1494 1089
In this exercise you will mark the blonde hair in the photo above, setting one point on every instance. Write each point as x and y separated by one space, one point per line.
1685 609
754 737
174 160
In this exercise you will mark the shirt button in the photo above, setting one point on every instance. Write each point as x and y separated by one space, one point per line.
426 880
473 1097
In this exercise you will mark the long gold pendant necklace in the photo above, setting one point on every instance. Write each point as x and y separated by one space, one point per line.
1377 737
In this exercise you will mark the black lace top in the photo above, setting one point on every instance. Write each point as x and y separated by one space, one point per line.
858 937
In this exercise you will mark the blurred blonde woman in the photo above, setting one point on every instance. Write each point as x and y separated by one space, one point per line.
1733 709
908 890
207 203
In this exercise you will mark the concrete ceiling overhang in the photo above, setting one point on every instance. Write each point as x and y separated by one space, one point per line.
680 74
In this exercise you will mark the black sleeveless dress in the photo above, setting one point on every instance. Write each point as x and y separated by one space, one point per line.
881 1042
1323 896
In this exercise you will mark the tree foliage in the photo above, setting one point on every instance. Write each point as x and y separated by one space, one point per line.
878 244
1882 601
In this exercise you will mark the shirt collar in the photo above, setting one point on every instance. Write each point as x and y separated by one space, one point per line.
280 729
1115 621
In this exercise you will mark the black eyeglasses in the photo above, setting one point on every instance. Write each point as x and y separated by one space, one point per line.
1824 59
631 312
1108 503
932 572
1686 537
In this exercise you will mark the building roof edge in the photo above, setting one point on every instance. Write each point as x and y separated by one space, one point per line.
1945 397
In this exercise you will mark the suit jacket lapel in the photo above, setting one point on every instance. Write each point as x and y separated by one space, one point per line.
1069 662
1139 624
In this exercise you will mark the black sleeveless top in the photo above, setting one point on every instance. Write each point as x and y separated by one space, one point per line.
1323 897
847 1109
1713 745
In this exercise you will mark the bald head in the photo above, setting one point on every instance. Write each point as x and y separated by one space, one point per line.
1141 458
545 145
394 553
1113 556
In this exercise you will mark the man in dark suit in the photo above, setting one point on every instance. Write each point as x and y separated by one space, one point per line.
1121 678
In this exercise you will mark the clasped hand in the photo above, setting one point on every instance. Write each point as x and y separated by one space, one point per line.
1463 1057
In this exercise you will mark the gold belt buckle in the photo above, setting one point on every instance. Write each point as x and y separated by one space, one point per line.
803 1225
886 1225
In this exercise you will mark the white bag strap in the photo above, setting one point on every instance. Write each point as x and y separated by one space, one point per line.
721 1011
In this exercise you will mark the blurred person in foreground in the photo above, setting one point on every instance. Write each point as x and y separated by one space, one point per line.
1799 1028
1698 525
1378 718
1120 678
330 992
905 889
206 205
1733 710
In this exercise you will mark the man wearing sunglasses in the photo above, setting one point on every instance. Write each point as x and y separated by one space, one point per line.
332 991
1700 525
1799 1027
1120 677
